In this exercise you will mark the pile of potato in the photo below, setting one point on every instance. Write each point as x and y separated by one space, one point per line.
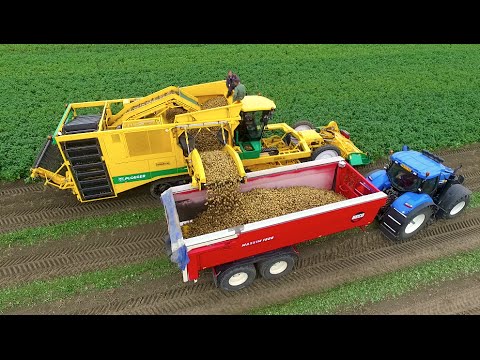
171 113
257 205
227 207
214 102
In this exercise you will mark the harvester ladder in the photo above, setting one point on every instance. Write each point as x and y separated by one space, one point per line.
88 168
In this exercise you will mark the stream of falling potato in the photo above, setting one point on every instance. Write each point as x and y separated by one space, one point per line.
227 207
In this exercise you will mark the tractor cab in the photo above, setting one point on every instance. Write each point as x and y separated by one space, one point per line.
417 172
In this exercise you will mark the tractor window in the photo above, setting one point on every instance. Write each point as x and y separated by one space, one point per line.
402 179
429 185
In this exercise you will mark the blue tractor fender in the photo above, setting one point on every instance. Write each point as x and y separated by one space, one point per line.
379 178
406 216
409 201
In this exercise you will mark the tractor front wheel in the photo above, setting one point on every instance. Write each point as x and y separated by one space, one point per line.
415 221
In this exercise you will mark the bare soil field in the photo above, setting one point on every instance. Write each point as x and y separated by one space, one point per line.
323 263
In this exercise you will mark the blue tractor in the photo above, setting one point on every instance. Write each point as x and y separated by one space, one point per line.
420 190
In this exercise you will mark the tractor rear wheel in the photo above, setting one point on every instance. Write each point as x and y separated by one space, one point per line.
325 152
453 202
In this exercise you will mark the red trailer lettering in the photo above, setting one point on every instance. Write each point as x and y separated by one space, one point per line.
358 216
257 241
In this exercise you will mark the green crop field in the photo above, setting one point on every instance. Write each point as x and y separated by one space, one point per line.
425 96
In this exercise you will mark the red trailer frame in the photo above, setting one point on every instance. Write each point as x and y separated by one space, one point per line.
248 242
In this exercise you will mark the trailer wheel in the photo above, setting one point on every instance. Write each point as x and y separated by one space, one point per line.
237 277
276 267
325 152
454 202
415 221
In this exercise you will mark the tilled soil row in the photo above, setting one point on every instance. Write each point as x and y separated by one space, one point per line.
32 205
332 249
316 270
450 297
107 251
53 215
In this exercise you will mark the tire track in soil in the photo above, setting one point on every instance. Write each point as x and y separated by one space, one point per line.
54 214
456 297
312 274
179 294
82 258
18 187
49 207
468 156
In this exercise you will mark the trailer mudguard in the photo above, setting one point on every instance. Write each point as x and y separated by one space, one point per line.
177 244
414 200
379 178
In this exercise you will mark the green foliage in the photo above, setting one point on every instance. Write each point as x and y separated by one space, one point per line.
82 226
475 200
37 292
379 288
423 95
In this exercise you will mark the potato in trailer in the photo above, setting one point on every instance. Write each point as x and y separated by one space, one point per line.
267 248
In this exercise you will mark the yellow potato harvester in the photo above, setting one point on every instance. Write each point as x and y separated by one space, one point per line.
103 148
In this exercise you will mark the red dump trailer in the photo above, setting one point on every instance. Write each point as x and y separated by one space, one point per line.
266 248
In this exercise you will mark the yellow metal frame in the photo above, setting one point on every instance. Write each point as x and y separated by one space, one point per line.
140 145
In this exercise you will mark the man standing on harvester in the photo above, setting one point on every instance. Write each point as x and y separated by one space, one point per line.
240 91
230 82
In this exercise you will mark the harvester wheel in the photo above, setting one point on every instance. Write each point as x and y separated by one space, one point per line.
276 267
237 277
299 126
158 187
303 125
325 152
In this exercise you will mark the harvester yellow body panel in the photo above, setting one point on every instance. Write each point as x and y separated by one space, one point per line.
98 152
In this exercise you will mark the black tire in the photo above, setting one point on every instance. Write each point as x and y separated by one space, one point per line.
237 277
168 245
453 202
276 267
303 123
415 222
158 187
327 151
